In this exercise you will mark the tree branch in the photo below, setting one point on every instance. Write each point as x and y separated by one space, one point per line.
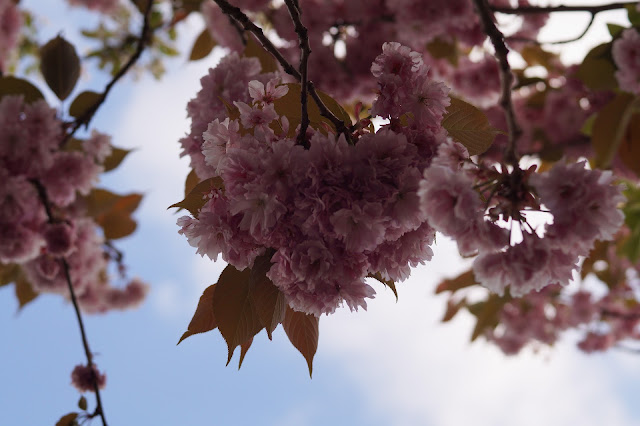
42 194
571 40
143 39
522 10
506 77
248 25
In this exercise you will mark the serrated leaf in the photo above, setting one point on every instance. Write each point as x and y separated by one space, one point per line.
253 49
82 403
84 102
464 280
597 70
60 66
268 299
17 86
469 126
609 128
198 195
388 283
68 420
303 332
24 291
244 348
203 319
203 45
234 309
115 158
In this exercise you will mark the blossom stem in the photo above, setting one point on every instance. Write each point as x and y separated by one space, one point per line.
522 10
506 78
42 194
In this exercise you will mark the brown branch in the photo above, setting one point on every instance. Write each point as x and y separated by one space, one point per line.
522 10
305 50
506 77
248 25
42 194
143 40
571 40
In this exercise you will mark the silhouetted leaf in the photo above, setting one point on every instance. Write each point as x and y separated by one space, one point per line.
302 330
60 66
24 291
113 212
534 54
234 309
116 157
244 348
387 283
191 182
17 86
82 403
487 314
469 126
203 319
466 279
68 420
596 70
629 151
198 195
268 299
453 308
83 103
8 273
609 128
203 45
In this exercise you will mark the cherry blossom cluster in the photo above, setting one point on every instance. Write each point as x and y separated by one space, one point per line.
10 23
626 55
346 36
331 212
84 378
43 216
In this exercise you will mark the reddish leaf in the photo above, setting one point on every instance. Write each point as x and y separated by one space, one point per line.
244 348
198 195
68 420
387 283
116 157
452 309
302 330
60 66
269 301
487 314
466 279
234 309
203 319
191 182
116 222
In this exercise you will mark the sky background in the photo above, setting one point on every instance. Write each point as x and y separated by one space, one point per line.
394 364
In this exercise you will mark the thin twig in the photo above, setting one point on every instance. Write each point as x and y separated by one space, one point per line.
571 40
305 50
42 194
86 117
522 10
506 77
248 25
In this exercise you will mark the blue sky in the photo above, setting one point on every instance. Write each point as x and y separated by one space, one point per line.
392 365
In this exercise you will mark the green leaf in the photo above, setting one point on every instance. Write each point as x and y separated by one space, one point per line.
388 283
268 299
633 14
68 420
116 157
17 86
302 330
234 309
614 29
469 126
609 128
198 195
84 102
82 403
464 280
203 45
8 273
203 319
597 71
60 66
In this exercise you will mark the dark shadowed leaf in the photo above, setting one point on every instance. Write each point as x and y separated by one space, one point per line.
534 54
269 301
469 126
8 273
629 151
24 291
191 182
234 309
203 45
116 157
82 403
203 319
254 49
68 420
60 66
609 128
444 49
17 86
198 195
453 308
244 348
388 283
83 103
463 280
487 314
302 330
597 70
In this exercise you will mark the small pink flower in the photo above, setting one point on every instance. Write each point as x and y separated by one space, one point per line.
273 91
256 117
85 378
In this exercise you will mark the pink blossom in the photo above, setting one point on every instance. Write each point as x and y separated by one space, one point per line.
85 378
71 172
255 117
59 238
274 90
10 23
98 146
626 55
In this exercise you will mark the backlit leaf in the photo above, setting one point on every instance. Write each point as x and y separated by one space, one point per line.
203 319
268 299
487 314
254 49
453 308
117 225
24 292
609 128
116 157
113 212
84 102
17 86
198 195
596 70
534 54
203 45
302 330
234 309
60 66
68 420
464 280
629 151
444 49
469 126
388 283
191 182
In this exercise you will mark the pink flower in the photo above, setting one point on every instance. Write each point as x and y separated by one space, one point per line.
626 55
85 378
256 117
59 238
396 61
273 91
98 146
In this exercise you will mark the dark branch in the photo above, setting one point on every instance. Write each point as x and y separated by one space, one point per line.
42 194
248 25
522 10
143 40
506 77
571 40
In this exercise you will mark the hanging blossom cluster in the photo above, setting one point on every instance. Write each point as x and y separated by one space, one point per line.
626 55
31 159
83 378
10 24
329 213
